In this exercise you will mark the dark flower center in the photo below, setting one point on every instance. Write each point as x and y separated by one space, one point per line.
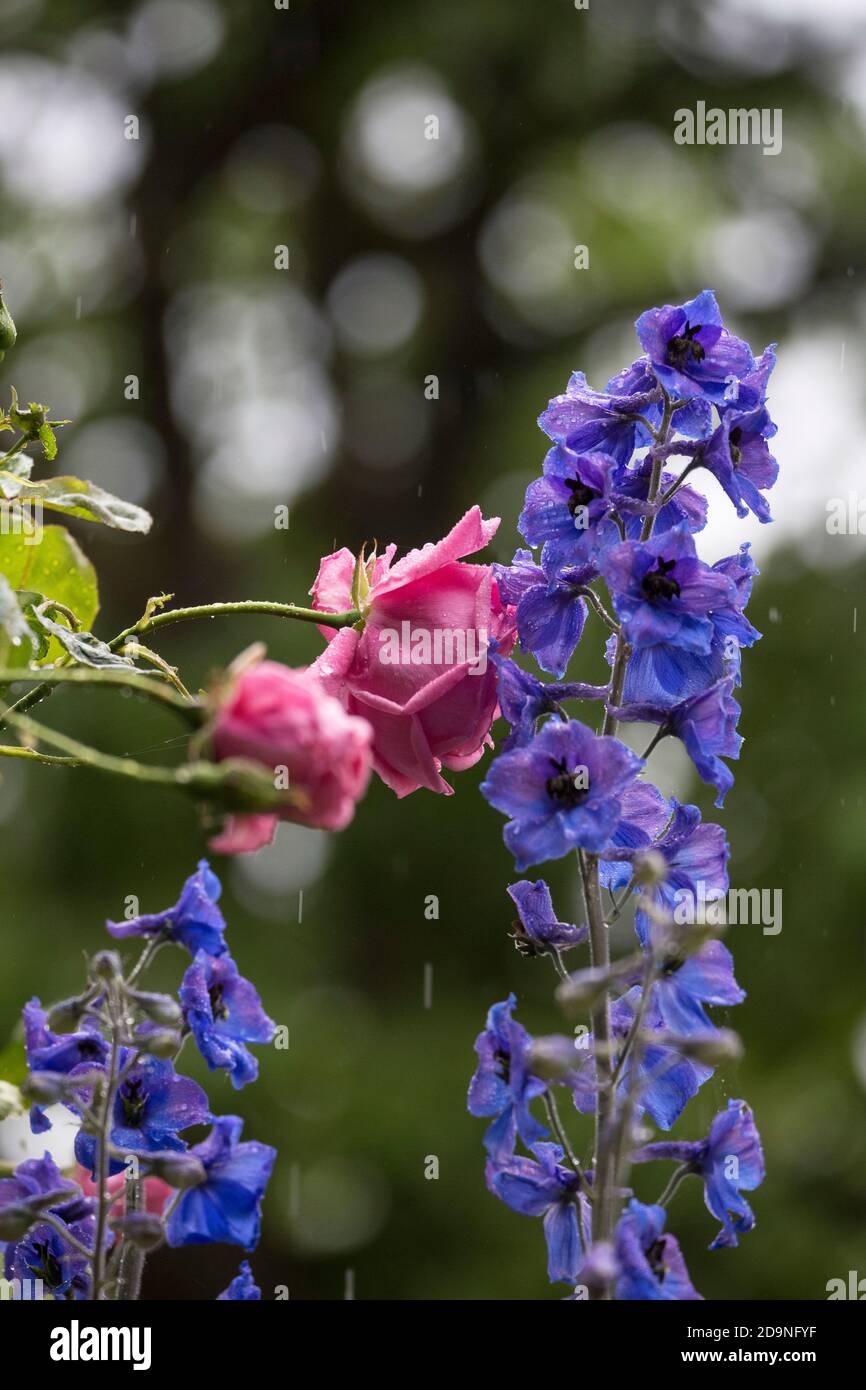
90 1050
562 786
133 1100
682 347
734 439
658 583
581 495
656 1259
671 964
45 1265
503 1062
219 1008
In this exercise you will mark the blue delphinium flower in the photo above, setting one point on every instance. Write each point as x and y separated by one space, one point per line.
666 1081
224 1012
195 921
586 420
564 507
243 1288
64 1053
707 724
645 812
540 929
630 494
651 1264
730 1161
502 1087
43 1252
152 1107
663 593
738 456
691 351
550 612
562 791
544 1187
523 699
695 855
227 1205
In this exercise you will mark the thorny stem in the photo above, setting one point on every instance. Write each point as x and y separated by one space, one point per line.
87 675
151 621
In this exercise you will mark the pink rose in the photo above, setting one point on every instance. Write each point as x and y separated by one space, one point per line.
285 719
418 672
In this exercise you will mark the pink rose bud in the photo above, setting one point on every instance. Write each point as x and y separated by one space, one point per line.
419 670
285 720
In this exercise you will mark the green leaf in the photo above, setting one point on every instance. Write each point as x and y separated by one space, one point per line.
13 623
84 647
76 497
56 568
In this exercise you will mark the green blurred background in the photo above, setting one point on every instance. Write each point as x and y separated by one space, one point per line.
453 257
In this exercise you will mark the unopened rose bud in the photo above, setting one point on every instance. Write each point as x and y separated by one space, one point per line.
143 1228
8 332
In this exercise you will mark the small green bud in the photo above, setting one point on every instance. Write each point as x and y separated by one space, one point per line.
710 1048
106 965
164 1043
65 1016
553 1058
10 1100
178 1170
43 1087
161 1008
143 1228
8 332
16 1220
651 868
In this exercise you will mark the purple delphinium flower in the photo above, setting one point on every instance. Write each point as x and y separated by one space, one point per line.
604 421
503 1087
544 1187
42 1252
663 593
562 791
550 612
523 699
696 857
707 725
739 458
730 1160
630 493
564 507
644 815
59 1052
651 1264
65 1053
224 1012
152 1106
666 1080
195 921
226 1207
692 353
242 1289
540 929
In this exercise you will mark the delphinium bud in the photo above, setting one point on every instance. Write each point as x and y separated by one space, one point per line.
160 1008
178 1170
143 1228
